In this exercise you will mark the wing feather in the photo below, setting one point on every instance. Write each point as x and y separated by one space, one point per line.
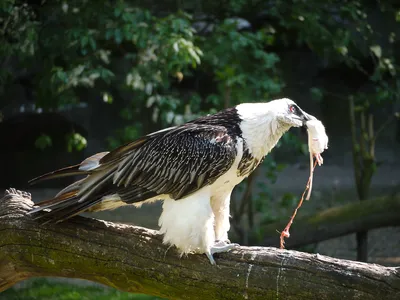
179 162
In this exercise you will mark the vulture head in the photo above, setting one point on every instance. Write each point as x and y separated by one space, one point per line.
289 113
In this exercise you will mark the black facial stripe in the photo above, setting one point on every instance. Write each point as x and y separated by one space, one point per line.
296 110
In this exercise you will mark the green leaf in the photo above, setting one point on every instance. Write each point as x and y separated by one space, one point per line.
377 50
75 141
126 114
92 43
109 33
62 76
84 41
117 12
107 98
342 50
43 141
118 35
195 56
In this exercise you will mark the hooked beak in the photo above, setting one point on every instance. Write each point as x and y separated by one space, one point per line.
306 117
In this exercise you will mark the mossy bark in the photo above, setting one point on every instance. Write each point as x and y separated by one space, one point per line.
337 221
134 259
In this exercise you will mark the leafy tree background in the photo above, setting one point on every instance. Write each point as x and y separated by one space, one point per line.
78 77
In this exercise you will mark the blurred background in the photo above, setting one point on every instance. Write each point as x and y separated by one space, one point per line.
80 77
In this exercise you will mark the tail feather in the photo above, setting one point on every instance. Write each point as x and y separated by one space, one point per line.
53 204
79 195
87 193
58 199
84 168
63 207
68 211
68 171
94 184
75 198
71 187
92 162
71 211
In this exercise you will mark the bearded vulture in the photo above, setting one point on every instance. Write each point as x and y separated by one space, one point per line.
192 168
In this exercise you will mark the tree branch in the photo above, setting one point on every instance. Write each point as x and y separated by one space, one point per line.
337 221
134 259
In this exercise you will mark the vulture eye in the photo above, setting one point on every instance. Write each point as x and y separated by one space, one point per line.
292 109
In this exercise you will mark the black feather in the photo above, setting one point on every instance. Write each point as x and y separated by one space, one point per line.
68 171
177 161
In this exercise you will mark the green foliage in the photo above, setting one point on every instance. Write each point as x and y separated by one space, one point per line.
83 45
240 63
272 168
44 290
19 34
43 141
128 133
75 141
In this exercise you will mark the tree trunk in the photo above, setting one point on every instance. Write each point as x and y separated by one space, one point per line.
134 259
364 164
337 221
362 245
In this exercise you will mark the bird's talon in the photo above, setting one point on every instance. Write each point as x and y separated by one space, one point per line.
223 248
211 259
222 242
219 247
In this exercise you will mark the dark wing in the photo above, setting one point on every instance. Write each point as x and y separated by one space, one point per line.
176 161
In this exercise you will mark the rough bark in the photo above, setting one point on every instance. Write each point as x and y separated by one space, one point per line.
134 259
337 221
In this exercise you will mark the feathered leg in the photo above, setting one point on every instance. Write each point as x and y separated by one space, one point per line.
220 206
189 225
